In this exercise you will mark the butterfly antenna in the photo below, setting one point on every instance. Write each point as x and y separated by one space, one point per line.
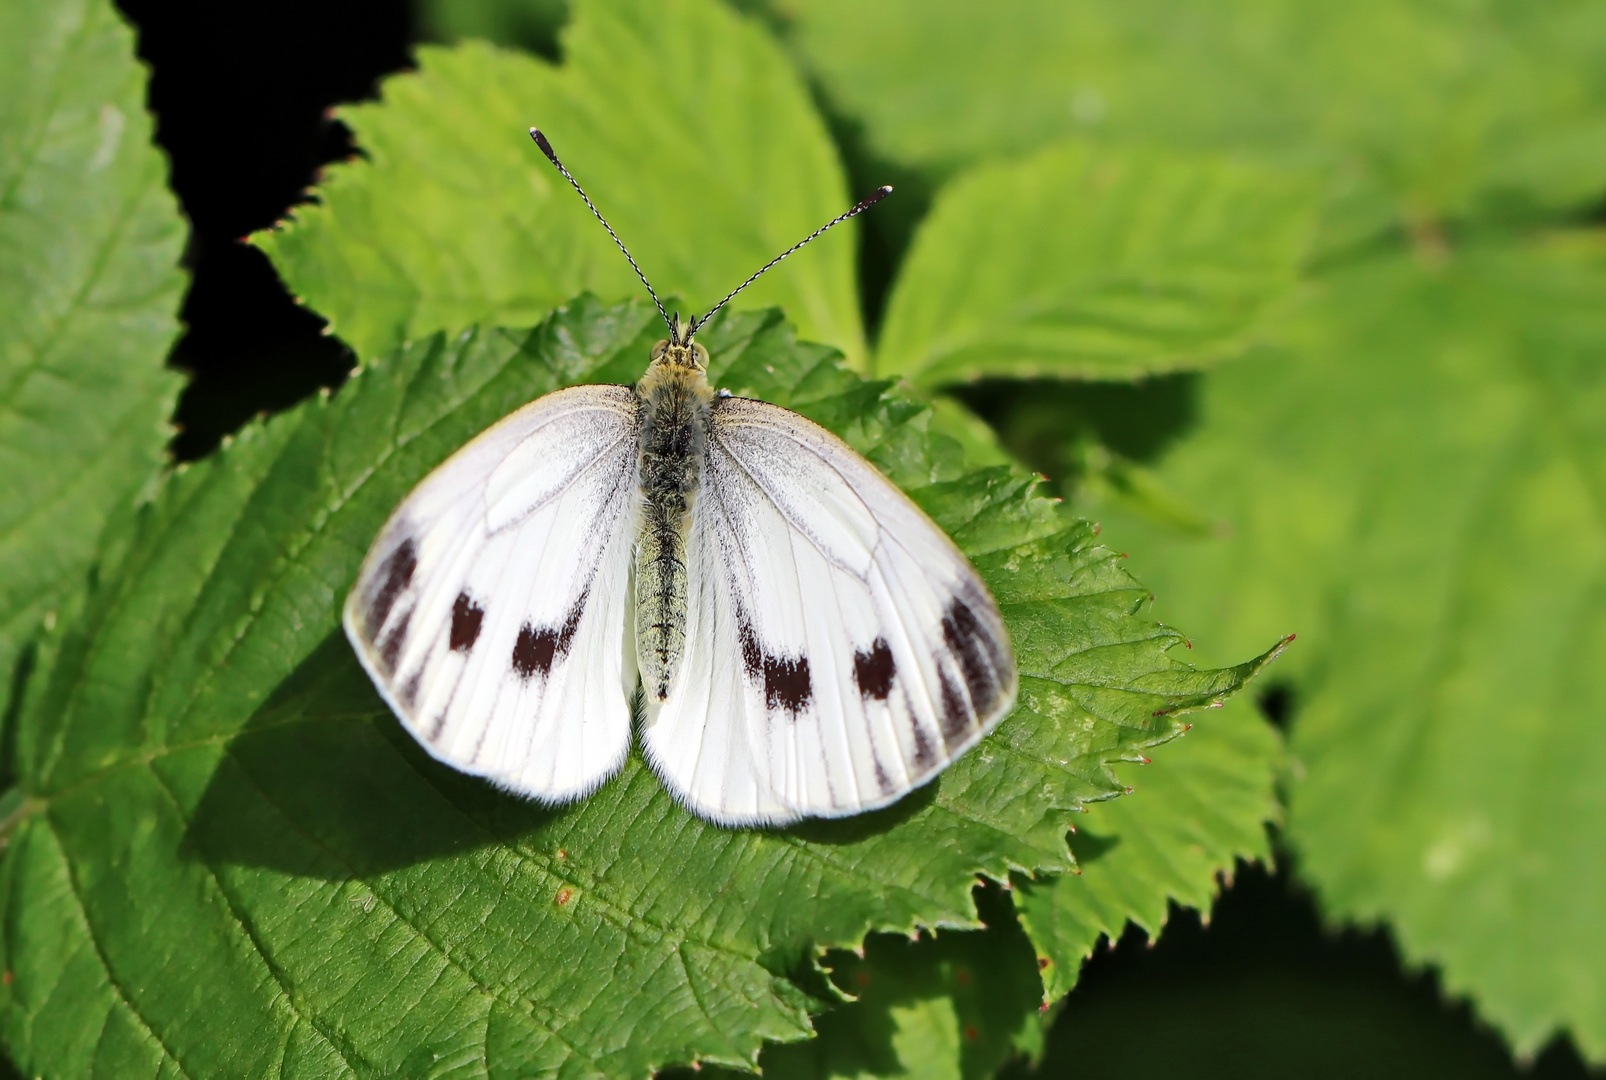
858 208
546 148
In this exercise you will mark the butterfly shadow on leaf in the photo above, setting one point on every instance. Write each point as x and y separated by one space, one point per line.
323 782
858 827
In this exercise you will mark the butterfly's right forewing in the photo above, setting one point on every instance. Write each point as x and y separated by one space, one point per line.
492 610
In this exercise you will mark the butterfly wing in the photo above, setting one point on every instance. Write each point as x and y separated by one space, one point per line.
491 610
840 650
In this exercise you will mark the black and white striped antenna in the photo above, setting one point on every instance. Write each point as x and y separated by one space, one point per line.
674 324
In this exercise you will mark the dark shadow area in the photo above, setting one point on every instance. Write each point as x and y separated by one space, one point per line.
1089 847
250 349
1277 703
1265 991
532 25
324 782
885 234
1049 424
851 830
27 661
241 93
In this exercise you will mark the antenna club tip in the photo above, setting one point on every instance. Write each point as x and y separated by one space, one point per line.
871 199
546 147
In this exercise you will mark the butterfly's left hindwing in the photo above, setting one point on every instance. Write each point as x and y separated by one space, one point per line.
840 650
491 610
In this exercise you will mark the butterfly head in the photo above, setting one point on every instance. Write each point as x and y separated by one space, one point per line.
679 350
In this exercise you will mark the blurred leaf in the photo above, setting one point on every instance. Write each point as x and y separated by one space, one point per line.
89 288
1199 808
530 24
1092 263
684 122
1440 105
227 832
1416 482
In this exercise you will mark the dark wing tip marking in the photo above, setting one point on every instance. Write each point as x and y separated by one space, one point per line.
980 661
467 617
873 671
537 650
390 649
395 574
925 754
435 728
409 690
883 781
957 718
787 683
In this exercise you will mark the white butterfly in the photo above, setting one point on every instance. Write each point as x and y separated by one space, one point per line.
805 640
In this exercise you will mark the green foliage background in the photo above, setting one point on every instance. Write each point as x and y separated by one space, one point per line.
1306 303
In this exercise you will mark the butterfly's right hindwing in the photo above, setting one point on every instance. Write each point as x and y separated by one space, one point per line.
840 650
491 612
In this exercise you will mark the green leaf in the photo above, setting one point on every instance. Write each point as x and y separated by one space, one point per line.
1199 808
231 834
1416 482
956 1003
89 287
1092 263
684 122
1438 106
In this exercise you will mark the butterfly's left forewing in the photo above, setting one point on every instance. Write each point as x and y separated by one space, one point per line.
491 610
840 650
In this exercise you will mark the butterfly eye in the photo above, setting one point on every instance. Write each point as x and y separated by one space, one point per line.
701 354
660 348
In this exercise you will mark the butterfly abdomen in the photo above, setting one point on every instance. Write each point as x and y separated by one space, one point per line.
675 403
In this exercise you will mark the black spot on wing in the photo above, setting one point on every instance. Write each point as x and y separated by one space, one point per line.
390 649
787 684
979 661
955 719
537 650
395 573
873 670
467 617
